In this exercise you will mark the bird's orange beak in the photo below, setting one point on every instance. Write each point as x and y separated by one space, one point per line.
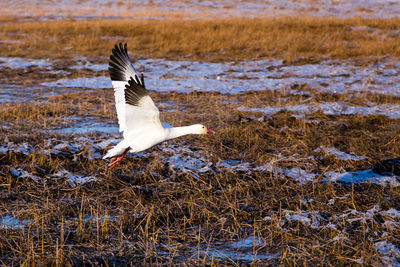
209 131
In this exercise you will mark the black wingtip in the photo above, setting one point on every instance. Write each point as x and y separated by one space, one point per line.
134 91
120 66
119 62
142 80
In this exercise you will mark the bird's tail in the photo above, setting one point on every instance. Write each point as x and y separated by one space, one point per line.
115 151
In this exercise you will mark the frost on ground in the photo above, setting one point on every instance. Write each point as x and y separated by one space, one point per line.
333 77
185 187
245 249
390 253
198 9
9 222
180 157
23 63
237 77
334 108
338 154
320 221
20 173
362 176
99 82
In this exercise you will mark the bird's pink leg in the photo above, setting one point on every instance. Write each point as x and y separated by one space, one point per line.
116 160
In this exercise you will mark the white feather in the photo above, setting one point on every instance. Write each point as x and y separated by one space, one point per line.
119 94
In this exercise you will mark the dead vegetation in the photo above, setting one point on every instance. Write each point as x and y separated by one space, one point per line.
145 212
148 211
293 39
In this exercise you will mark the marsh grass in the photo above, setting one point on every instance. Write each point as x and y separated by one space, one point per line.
144 212
292 39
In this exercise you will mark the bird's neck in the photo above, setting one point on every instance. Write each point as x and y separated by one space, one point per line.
180 131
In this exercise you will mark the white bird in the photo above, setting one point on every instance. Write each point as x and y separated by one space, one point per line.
138 117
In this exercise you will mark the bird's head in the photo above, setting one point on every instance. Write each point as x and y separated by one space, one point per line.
201 129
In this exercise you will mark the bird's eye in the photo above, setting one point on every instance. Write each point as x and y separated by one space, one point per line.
203 127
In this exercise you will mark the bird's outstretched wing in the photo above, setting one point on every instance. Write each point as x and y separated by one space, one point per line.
135 108
140 112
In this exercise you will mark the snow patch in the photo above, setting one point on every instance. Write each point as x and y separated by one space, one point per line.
20 173
390 253
23 63
75 179
83 63
300 175
99 82
362 176
338 154
237 77
10 222
312 220
334 108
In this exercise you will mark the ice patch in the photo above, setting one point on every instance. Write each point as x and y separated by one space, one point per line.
76 179
300 175
205 9
23 148
20 173
391 225
86 127
236 77
245 249
393 213
10 222
361 176
234 165
61 173
340 237
301 217
101 218
36 93
184 159
308 219
269 167
105 143
22 63
99 82
87 65
353 215
390 253
186 163
338 154
334 108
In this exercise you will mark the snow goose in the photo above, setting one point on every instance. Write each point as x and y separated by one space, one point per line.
138 117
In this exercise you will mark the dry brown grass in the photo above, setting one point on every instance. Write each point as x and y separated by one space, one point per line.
145 213
141 213
288 38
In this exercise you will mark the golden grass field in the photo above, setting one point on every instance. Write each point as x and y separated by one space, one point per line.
288 38
147 212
